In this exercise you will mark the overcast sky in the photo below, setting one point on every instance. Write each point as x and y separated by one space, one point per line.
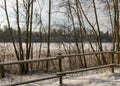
56 17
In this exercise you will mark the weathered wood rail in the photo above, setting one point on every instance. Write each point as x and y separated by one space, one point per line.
61 73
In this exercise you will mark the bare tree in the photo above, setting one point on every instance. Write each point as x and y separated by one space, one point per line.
99 34
48 37
19 50
116 25
9 27
80 26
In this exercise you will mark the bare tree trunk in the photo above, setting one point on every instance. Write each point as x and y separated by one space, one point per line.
27 32
99 34
116 26
21 54
98 59
10 29
112 25
75 34
29 14
117 29
48 40
81 34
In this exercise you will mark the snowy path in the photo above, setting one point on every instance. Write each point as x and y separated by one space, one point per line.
105 79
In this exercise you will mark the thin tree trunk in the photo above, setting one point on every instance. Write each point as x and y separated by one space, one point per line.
99 34
21 54
94 31
11 34
75 34
81 34
116 25
48 40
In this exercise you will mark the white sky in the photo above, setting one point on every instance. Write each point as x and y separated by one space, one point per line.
56 17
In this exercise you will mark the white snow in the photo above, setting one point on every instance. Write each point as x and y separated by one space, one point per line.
100 79
106 79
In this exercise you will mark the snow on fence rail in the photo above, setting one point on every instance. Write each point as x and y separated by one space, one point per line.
61 73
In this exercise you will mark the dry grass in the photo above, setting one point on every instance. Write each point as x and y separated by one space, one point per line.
7 54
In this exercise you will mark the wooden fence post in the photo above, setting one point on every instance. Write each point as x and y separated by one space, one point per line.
60 68
2 75
112 56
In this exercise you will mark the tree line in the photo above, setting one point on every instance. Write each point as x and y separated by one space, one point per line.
57 36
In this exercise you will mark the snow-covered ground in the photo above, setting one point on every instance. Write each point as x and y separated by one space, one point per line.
106 79
80 79
8 47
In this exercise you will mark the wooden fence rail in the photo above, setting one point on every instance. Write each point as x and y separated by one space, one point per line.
60 73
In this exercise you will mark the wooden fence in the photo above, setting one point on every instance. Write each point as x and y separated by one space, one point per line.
61 73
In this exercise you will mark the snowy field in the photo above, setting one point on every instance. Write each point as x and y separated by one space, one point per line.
89 79
7 49
55 46
80 79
